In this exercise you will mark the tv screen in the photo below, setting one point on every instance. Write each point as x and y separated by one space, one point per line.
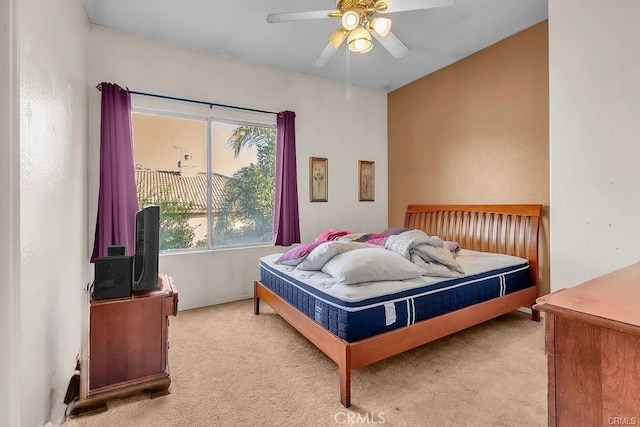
145 259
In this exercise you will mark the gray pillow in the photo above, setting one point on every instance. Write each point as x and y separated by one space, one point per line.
320 255
394 231
371 265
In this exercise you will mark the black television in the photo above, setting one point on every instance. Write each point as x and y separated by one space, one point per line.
147 250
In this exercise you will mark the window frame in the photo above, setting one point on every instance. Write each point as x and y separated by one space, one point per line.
209 120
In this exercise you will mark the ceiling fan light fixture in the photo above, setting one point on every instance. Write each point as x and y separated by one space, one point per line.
382 26
367 49
337 37
350 20
359 40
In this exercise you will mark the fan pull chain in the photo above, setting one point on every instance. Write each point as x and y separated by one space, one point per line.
348 74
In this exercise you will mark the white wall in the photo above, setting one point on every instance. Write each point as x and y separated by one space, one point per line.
9 220
326 126
52 49
594 138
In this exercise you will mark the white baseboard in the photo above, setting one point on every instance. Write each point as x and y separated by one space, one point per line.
525 310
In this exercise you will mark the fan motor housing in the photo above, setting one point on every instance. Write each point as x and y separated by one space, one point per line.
360 6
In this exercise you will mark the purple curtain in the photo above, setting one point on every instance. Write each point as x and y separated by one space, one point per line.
286 222
117 199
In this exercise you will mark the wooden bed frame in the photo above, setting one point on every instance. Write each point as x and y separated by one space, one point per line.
504 229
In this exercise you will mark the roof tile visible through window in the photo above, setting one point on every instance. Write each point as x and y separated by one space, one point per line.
190 190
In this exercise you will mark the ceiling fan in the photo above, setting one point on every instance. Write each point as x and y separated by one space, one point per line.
360 20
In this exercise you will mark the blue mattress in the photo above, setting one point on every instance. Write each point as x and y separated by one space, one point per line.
357 320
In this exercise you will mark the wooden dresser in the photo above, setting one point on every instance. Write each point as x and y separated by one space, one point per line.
593 351
127 347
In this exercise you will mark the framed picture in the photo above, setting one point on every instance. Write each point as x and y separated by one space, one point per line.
318 176
366 181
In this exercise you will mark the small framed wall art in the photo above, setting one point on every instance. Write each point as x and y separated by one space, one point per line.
318 178
366 181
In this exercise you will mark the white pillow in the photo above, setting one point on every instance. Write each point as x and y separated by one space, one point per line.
371 265
320 255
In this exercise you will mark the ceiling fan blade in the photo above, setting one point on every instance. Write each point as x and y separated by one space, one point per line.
326 55
298 16
405 5
393 44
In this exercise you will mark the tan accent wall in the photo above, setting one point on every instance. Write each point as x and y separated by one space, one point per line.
476 132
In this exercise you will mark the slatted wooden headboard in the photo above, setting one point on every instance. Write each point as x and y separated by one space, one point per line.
503 229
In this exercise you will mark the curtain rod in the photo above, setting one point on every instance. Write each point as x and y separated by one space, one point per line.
195 101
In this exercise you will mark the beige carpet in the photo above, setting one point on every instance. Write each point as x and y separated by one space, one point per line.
229 367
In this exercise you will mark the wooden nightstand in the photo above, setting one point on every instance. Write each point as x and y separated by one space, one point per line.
128 347
593 351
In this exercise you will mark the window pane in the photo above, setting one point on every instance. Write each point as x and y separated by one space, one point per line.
171 171
243 163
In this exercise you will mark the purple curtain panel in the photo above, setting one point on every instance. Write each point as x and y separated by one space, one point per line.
286 221
117 199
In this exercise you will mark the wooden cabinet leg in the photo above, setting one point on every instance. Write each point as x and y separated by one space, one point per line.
158 392
535 315
345 377
88 409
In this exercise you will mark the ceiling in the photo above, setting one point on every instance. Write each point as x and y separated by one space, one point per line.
238 28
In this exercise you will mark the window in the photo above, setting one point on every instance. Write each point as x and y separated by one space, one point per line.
213 179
